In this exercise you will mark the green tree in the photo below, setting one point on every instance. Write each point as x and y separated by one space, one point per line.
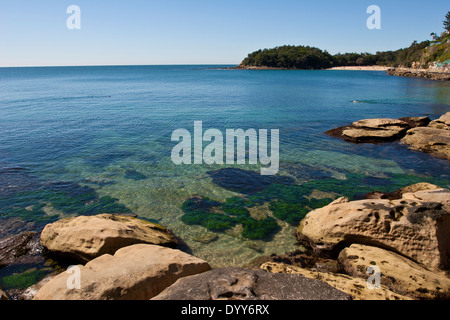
447 22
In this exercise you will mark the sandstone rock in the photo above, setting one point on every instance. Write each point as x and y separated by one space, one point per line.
398 273
398 194
442 123
137 272
87 237
429 140
355 287
414 122
372 130
418 229
247 284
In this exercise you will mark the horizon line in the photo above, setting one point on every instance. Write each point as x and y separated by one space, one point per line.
122 65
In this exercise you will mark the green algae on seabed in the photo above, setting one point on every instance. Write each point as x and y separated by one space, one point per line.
287 202
218 217
23 276
63 199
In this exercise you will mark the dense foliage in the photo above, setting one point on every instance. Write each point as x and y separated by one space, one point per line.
290 57
304 57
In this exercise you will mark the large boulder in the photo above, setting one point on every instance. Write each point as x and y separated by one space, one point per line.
416 226
84 238
430 140
356 287
397 272
137 272
248 284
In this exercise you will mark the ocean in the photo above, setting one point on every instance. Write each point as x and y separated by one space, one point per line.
88 140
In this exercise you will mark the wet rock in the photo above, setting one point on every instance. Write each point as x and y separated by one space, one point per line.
85 238
19 248
137 272
247 284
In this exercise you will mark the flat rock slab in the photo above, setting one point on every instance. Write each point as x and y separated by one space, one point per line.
137 272
248 284
84 238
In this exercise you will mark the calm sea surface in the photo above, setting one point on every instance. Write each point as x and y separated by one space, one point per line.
87 140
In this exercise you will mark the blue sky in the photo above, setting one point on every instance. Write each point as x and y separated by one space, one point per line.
34 33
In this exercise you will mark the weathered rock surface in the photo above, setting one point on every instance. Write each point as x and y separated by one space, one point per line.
372 130
398 194
247 284
430 140
355 287
397 272
416 226
137 272
419 133
87 237
442 123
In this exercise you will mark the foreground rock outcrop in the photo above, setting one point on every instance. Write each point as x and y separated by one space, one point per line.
84 238
405 234
398 273
354 286
137 272
247 284
414 226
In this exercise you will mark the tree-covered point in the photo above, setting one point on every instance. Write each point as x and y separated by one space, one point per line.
290 57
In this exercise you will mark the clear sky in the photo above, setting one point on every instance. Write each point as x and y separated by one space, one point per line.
34 33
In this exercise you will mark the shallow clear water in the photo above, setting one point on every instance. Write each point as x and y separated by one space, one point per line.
109 129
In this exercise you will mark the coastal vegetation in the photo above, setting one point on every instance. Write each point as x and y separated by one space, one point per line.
420 54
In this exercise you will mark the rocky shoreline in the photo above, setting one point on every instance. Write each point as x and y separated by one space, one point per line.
120 257
404 234
415 73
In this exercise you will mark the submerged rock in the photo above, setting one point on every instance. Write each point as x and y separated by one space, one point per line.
85 238
247 284
137 272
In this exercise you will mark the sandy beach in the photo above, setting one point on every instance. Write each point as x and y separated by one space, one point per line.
362 68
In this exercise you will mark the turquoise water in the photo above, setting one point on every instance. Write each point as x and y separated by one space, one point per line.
86 140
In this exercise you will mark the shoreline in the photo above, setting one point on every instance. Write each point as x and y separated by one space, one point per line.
346 68
361 68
